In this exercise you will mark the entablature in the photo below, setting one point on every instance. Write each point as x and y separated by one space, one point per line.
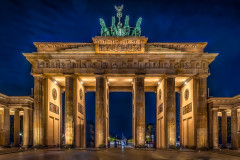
16 101
111 63
223 103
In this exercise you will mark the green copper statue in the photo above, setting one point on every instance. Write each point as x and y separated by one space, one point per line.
137 29
113 27
120 30
126 26
104 29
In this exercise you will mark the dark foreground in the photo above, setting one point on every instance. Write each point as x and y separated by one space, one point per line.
115 154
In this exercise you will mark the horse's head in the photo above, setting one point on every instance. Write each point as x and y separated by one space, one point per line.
102 23
139 21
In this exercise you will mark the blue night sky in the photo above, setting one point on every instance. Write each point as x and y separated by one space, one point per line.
26 21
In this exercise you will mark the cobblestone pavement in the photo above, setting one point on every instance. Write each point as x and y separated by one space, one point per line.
115 154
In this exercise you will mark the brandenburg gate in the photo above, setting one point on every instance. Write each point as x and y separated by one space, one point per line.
120 60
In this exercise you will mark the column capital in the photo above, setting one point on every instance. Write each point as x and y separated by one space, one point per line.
140 75
202 76
70 75
223 111
170 76
99 75
37 75
233 109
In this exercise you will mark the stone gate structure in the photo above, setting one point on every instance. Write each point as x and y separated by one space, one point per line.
122 60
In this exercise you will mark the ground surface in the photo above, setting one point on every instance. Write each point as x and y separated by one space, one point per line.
115 154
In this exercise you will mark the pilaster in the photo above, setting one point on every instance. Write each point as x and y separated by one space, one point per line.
139 104
215 129
39 111
6 127
224 129
234 132
100 112
69 115
202 133
26 127
16 128
169 100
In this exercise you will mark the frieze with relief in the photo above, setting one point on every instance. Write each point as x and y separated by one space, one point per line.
80 108
124 64
123 45
187 109
160 108
53 108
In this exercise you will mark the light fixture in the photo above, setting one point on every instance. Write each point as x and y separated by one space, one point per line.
185 82
108 82
81 82
159 83
132 82
55 82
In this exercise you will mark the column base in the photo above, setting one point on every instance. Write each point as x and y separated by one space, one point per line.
203 148
140 146
26 146
39 146
101 146
68 146
234 148
172 147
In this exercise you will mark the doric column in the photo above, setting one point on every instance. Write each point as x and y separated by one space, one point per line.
215 128
16 128
224 129
210 128
139 104
100 112
234 134
169 99
39 111
202 134
30 127
238 128
61 116
26 127
6 127
69 115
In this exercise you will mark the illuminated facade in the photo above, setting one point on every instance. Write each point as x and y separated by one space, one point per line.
130 64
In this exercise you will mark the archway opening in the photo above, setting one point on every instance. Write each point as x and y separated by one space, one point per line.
150 119
120 118
90 119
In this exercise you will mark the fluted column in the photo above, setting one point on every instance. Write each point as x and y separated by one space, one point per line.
6 127
69 115
30 127
139 104
210 128
224 129
202 133
26 127
39 111
234 134
169 92
16 128
61 116
238 129
100 112
215 128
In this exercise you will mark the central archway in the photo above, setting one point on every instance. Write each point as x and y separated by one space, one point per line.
120 117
